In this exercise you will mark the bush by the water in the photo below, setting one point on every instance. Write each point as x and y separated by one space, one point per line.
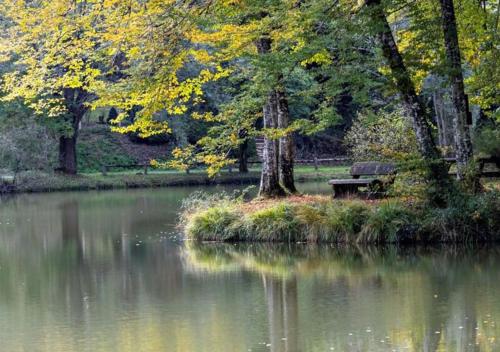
320 219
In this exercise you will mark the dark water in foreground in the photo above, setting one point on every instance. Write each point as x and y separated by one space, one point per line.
103 272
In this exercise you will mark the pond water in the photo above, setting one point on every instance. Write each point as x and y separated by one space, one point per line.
105 271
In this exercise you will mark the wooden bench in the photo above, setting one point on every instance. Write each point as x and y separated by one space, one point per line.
492 171
343 187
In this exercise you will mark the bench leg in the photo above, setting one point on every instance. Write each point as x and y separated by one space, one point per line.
376 190
342 191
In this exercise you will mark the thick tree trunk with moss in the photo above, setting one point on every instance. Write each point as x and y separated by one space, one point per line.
269 181
463 145
286 144
414 107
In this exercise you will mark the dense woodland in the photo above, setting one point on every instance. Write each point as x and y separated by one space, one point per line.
198 82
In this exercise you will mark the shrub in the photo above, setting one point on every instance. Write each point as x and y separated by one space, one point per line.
487 141
387 136
98 146
468 218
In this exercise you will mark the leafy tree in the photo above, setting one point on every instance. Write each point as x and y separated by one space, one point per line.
52 48
437 171
423 48
151 65
267 50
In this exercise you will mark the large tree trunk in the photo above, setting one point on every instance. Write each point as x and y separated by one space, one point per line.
269 181
463 145
287 152
437 170
67 154
74 99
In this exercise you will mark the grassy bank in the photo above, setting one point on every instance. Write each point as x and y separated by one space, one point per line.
320 219
45 182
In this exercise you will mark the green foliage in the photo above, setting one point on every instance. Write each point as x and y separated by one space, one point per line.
487 141
311 58
198 60
468 218
216 218
420 39
97 147
344 220
385 136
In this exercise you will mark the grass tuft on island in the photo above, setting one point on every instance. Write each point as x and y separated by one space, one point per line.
320 219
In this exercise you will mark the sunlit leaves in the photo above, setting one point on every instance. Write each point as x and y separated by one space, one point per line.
52 47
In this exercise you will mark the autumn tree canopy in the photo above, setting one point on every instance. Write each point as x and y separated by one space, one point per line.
295 60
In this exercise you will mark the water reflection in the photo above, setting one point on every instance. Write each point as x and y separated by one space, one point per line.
282 308
105 272
367 299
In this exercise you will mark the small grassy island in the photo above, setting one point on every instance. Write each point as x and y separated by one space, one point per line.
320 219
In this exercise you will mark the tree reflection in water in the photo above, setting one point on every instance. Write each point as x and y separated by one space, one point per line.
423 299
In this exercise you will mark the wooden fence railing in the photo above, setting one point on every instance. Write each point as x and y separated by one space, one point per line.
316 162
105 168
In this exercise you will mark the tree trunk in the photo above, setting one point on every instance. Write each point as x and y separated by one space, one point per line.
74 100
287 152
67 154
269 181
243 157
437 171
463 145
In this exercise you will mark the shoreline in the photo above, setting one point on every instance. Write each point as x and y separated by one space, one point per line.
47 183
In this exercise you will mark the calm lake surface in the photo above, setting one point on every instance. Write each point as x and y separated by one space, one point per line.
106 271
